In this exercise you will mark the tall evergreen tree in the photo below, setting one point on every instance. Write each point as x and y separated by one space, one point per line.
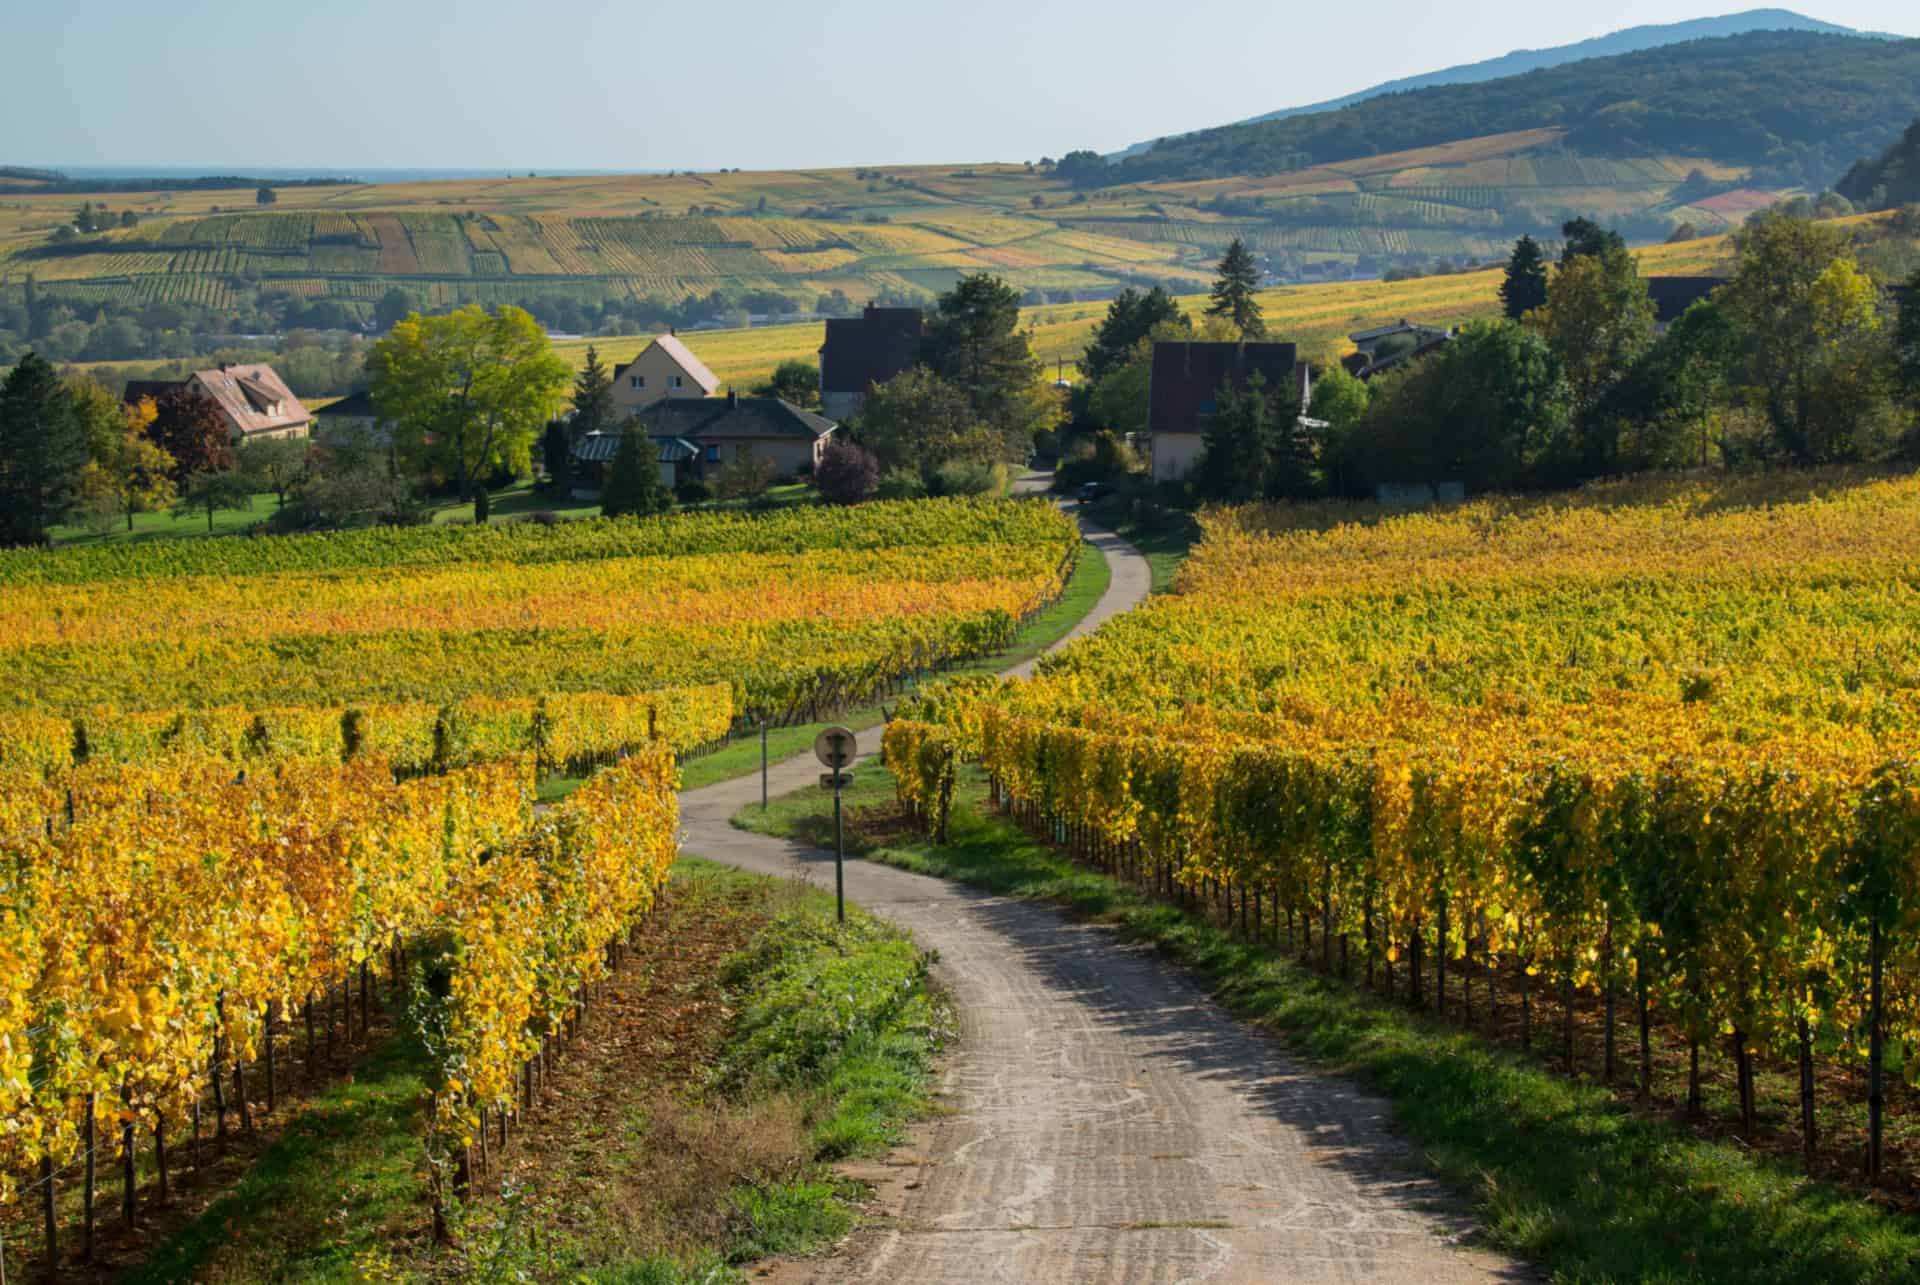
1130 318
1233 290
633 484
43 448
974 342
1233 463
593 408
1526 285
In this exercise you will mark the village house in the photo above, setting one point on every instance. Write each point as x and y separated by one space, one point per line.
719 429
863 351
350 417
665 368
678 459
1184 388
253 399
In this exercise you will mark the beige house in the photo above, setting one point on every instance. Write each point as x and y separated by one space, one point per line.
1185 384
666 368
253 399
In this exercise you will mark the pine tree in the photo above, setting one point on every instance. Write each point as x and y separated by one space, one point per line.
1526 285
633 483
1233 465
43 448
593 408
1233 290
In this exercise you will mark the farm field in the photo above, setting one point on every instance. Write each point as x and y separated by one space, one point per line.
1646 748
901 231
331 788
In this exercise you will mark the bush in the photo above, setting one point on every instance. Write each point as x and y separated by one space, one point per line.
966 477
902 484
693 490
848 473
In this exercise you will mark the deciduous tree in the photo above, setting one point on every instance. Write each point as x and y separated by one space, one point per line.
847 472
468 391
1598 320
190 428
794 380
917 419
212 493
134 474
276 463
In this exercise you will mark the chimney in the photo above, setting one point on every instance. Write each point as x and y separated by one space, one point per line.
673 331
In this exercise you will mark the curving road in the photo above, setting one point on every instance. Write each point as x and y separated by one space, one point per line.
1106 1121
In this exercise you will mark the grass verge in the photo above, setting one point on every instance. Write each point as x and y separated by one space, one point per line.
1165 541
690 1129
1085 587
1558 1171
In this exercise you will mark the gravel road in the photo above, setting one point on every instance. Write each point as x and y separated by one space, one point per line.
1105 1120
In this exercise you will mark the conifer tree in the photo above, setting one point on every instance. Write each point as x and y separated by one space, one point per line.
593 408
633 484
1233 290
43 448
1526 285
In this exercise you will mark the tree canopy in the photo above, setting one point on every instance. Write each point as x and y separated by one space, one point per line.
43 448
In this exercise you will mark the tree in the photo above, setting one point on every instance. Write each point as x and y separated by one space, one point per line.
134 474
1804 312
847 472
556 448
1486 410
265 195
190 428
1131 317
1598 320
102 415
43 448
974 342
393 308
1662 415
212 492
794 380
917 419
1233 463
633 487
1906 340
593 406
1525 287
1233 292
746 476
128 219
1340 400
276 463
1584 237
467 392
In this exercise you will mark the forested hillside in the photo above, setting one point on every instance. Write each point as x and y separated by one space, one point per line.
1888 180
1799 107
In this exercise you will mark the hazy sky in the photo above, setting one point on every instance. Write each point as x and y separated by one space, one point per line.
752 83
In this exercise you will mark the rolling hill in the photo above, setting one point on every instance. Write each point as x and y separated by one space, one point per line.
1521 61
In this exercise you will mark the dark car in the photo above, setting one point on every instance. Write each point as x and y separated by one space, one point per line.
1091 491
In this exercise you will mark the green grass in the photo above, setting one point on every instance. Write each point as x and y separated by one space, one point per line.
339 1197
164 526
1558 1171
1091 576
1165 544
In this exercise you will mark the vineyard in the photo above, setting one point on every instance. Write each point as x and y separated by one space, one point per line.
247 784
906 230
1647 750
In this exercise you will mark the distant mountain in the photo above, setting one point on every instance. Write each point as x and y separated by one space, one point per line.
1631 40
1795 108
1890 179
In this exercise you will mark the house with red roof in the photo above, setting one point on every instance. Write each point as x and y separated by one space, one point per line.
253 399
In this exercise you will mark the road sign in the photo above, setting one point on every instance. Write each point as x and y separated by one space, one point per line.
835 747
836 781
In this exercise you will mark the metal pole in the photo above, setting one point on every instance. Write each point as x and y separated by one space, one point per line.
763 763
839 863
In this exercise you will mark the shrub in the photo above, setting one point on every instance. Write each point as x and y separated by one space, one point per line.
693 490
848 473
902 484
966 477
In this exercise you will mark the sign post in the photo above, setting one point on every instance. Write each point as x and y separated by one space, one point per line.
763 762
836 747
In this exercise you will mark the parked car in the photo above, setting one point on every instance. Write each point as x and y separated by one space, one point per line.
1091 491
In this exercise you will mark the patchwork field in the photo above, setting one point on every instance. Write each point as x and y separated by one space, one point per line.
904 231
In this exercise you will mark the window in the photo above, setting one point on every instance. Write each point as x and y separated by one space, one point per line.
636 381
673 381
713 455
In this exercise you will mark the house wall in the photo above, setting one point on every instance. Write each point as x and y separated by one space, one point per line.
659 370
1175 454
790 455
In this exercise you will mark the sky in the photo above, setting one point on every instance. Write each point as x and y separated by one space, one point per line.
757 84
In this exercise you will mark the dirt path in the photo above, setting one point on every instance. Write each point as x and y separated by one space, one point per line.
1109 1122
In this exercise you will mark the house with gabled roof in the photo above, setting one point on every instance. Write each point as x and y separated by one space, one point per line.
253 399
862 351
722 428
1183 393
665 368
